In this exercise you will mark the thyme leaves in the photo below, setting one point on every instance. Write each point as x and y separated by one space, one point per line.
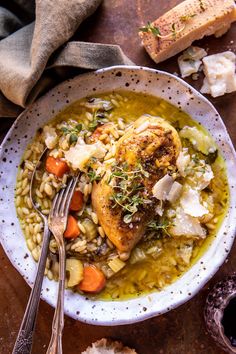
93 176
161 227
73 131
174 31
151 29
99 118
128 189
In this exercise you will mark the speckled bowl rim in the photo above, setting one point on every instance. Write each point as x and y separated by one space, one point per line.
153 304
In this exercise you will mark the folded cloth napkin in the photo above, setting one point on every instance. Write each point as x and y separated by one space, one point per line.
30 54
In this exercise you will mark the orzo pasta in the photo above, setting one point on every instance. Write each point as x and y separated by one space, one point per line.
151 196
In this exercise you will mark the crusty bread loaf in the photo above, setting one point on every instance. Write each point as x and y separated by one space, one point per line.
185 23
106 346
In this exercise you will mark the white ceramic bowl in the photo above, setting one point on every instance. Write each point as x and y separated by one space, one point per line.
135 79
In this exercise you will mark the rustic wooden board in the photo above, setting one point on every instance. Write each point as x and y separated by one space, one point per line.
181 331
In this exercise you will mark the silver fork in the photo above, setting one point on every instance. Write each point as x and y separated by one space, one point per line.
24 341
57 224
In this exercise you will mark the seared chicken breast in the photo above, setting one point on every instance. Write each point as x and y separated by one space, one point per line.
123 199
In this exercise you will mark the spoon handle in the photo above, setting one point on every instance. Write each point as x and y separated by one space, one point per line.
55 345
23 344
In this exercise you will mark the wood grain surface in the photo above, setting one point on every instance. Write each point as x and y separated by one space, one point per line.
181 331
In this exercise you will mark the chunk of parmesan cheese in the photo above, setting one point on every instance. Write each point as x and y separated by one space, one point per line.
182 161
220 74
81 153
162 187
175 192
185 251
190 61
204 178
50 137
199 140
190 202
186 225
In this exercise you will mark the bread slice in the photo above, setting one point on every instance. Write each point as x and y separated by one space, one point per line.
106 346
189 21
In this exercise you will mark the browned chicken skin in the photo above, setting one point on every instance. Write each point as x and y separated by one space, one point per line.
147 151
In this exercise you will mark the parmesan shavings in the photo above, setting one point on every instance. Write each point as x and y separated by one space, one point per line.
162 187
190 202
186 225
183 161
190 61
220 74
81 153
50 137
204 178
175 192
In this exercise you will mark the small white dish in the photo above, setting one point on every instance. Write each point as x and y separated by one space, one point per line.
137 79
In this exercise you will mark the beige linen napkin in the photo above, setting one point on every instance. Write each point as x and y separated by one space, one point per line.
29 56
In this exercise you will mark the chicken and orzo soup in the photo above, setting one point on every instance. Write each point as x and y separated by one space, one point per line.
151 196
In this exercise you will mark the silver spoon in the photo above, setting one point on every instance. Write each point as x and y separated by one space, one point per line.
23 344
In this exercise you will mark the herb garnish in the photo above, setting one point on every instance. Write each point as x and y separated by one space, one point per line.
73 131
186 18
128 189
157 33
99 118
93 176
163 226
151 29
173 29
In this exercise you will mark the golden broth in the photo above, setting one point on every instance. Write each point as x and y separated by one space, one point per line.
154 273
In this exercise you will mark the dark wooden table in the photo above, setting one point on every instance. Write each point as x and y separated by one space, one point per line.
181 331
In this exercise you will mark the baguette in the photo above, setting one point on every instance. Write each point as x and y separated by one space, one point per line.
106 346
189 21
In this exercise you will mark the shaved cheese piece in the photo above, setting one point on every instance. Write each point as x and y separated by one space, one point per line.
175 192
204 178
220 74
186 225
183 161
80 154
50 137
159 210
162 188
199 140
190 61
190 20
190 202
185 252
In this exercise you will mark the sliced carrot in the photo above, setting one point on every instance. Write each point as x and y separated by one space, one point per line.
97 133
77 199
93 280
56 166
72 228
101 129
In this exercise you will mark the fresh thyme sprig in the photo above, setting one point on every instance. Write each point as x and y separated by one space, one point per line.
99 118
127 189
174 31
93 176
73 131
151 28
163 226
186 18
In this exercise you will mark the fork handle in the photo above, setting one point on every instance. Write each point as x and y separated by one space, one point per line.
23 344
55 345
